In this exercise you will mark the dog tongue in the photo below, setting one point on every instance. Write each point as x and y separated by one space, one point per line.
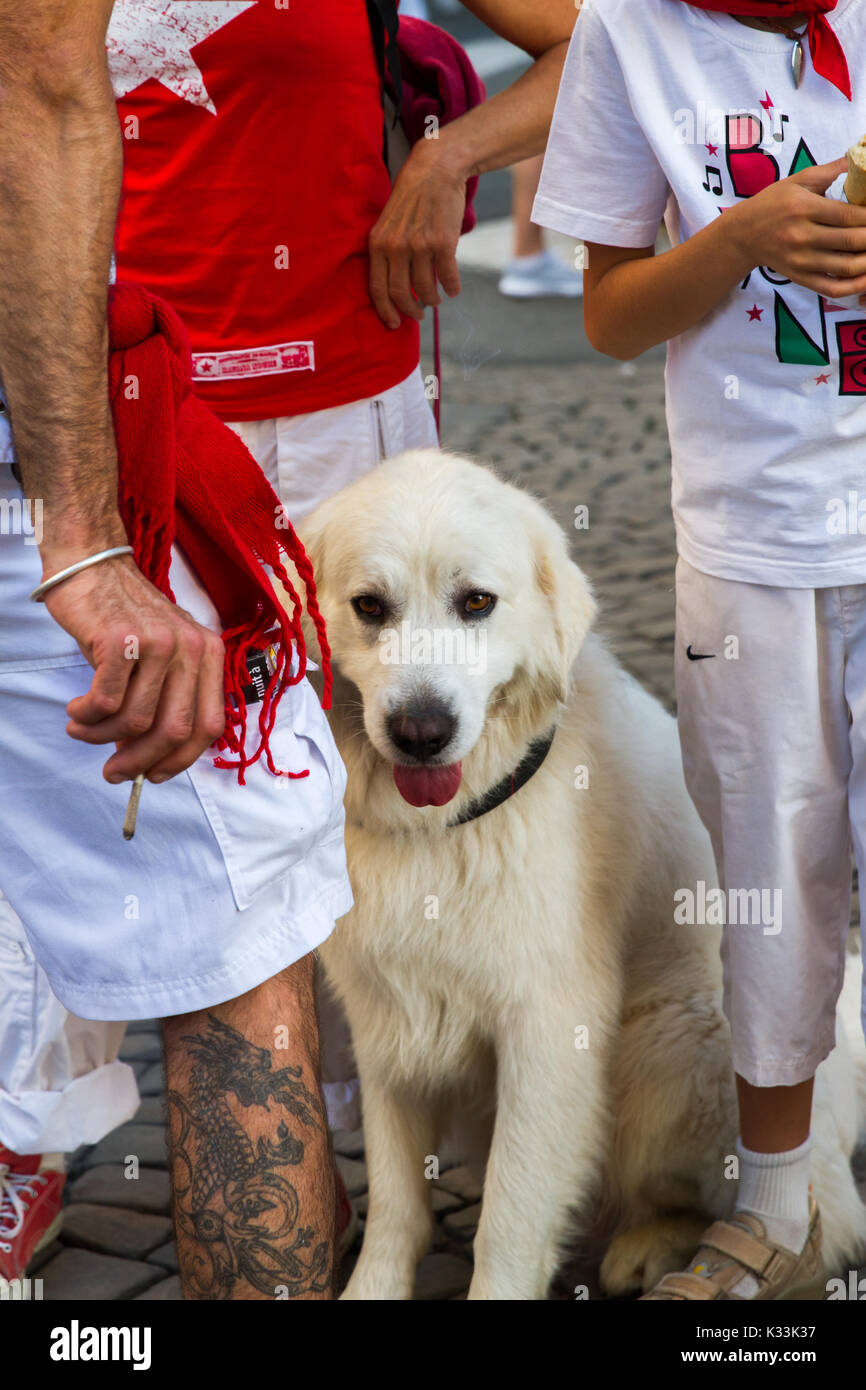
428 786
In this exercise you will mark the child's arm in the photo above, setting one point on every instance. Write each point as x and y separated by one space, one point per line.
634 299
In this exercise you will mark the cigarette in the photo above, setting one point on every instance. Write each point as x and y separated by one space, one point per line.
855 184
132 808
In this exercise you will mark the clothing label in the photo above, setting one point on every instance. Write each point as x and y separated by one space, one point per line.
260 361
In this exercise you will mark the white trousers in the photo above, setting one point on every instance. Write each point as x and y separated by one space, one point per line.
771 694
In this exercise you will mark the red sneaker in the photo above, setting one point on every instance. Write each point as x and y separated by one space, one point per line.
30 1210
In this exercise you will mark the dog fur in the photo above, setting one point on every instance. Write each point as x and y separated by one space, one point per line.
527 963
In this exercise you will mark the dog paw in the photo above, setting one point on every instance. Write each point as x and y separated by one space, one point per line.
639 1257
374 1284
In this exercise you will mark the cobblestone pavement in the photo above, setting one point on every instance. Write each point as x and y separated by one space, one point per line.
578 431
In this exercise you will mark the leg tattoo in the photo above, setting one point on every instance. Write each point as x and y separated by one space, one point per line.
233 1199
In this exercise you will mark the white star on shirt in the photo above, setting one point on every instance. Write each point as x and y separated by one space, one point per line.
154 38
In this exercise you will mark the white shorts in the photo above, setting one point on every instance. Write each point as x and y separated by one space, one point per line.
61 1083
222 887
307 458
771 694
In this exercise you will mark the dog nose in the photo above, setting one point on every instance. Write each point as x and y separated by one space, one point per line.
421 732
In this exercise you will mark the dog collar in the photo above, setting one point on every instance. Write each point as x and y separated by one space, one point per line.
510 783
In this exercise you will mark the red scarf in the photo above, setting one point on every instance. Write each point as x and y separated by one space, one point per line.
185 475
828 56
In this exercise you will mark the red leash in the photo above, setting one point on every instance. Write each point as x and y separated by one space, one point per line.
437 368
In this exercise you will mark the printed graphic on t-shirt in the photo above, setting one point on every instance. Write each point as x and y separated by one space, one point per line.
155 38
744 166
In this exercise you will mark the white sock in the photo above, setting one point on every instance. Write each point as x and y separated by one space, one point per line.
775 1188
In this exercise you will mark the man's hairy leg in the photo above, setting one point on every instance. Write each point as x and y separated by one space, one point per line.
252 1168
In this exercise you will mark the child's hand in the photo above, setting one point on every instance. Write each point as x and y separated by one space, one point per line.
792 228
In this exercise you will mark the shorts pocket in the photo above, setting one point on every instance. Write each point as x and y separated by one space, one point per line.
272 823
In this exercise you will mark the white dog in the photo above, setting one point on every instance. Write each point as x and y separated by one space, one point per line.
526 956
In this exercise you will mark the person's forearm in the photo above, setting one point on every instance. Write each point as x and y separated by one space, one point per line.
638 303
509 127
60 167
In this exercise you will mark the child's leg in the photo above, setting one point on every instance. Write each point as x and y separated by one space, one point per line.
764 733
774 1153
774 1118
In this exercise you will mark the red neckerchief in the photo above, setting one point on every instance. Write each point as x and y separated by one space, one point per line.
184 475
828 56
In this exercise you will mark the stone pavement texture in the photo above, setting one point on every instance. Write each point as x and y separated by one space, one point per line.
524 392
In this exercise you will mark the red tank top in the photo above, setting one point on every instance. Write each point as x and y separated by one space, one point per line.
253 174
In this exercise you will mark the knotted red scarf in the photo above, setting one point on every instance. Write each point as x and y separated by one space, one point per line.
185 476
828 56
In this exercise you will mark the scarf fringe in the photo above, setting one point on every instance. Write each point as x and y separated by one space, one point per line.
272 626
241 643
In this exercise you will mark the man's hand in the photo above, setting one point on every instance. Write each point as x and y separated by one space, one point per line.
157 688
415 238
792 228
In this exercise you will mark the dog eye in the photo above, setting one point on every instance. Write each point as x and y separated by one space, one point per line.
479 603
366 606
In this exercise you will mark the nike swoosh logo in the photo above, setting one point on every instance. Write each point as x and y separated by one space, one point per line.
698 656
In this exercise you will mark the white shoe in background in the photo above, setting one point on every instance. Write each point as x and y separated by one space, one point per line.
540 276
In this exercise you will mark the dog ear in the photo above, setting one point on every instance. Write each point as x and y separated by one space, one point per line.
311 533
569 596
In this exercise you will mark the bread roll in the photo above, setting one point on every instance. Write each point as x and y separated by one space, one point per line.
855 184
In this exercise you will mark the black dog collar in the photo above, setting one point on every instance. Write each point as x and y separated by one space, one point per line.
511 782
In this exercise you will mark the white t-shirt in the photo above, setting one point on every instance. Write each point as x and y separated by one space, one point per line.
766 396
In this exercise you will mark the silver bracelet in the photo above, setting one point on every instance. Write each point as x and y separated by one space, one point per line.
42 589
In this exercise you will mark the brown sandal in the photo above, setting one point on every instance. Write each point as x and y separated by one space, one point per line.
728 1252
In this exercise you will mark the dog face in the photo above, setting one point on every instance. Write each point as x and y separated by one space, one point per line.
451 602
